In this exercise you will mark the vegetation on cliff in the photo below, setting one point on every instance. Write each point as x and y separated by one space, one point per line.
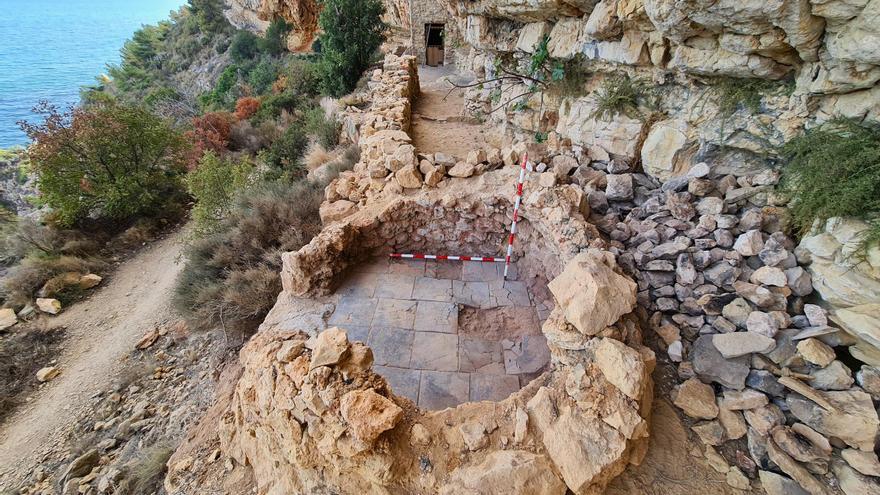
352 32
834 171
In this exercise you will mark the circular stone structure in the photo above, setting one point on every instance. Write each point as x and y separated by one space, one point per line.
313 411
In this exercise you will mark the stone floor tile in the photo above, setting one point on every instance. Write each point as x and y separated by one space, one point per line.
352 310
395 286
432 289
435 351
442 389
471 293
509 293
404 382
415 268
391 346
512 272
477 355
492 387
356 333
528 355
432 316
359 284
478 271
395 313
447 270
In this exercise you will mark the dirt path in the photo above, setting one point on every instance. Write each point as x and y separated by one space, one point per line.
438 125
101 331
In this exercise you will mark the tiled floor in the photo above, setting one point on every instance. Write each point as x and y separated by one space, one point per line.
407 311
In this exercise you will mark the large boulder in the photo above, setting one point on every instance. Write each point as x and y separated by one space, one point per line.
592 291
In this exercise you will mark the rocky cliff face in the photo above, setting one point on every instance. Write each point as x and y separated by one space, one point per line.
824 54
255 15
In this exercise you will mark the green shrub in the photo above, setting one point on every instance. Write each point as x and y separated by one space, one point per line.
325 131
352 32
834 171
221 96
618 95
286 152
263 75
209 15
245 46
110 161
214 184
272 106
232 277
303 76
275 40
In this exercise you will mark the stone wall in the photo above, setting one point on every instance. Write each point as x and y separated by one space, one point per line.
308 413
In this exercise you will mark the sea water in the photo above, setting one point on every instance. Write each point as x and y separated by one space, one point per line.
51 48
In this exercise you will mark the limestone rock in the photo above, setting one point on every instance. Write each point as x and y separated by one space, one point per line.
592 292
47 373
48 305
736 344
368 414
835 376
619 187
710 365
474 435
7 318
776 484
852 482
622 366
696 399
462 170
738 400
853 420
662 149
337 210
514 472
863 462
816 352
749 243
330 346
409 177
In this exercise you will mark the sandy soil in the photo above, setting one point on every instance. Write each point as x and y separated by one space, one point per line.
101 331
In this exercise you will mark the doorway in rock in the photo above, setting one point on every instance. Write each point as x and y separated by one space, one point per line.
434 34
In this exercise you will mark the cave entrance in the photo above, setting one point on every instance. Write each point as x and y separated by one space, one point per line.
434 51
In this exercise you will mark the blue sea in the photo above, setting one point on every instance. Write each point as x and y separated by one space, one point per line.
50 48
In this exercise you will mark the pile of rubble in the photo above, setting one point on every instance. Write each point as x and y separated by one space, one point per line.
729 301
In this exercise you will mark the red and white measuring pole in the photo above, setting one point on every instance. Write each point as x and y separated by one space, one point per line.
516 204
419 256
486 259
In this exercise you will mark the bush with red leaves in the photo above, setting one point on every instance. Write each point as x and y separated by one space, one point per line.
246 107
210 132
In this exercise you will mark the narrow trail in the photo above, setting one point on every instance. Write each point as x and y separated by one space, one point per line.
101 332
438 125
